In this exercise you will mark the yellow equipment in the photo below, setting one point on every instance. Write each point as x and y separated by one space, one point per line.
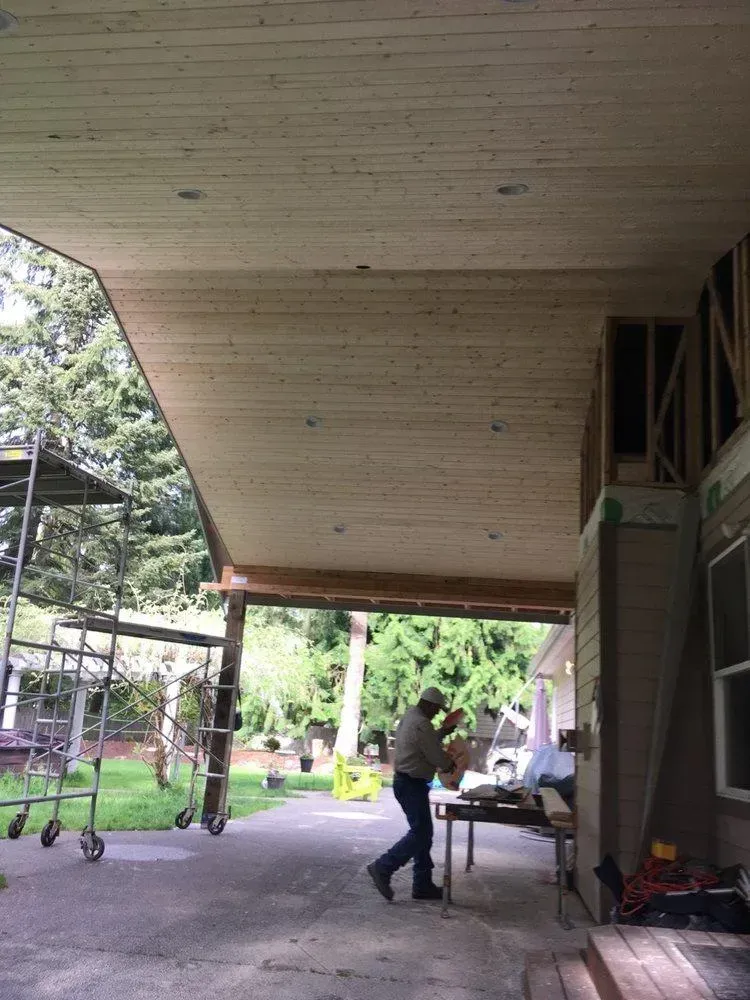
355 782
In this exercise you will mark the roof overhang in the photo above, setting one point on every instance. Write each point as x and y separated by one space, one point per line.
408 594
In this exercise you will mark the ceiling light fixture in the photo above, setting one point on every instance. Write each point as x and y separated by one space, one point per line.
511 190
191 194
340 529
312 421
494 536
498 427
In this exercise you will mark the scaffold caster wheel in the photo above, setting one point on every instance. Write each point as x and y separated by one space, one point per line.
217 824
16 825
50 833
184 819
92 846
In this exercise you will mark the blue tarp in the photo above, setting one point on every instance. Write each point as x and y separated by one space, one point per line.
551 768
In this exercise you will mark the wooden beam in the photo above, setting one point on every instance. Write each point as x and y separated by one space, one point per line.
669 388
724 333
743 324
713 380
555 809
693 402
739 351
670 468
475 593
651 398
607 403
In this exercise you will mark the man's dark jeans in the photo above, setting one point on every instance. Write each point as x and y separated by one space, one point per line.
412 794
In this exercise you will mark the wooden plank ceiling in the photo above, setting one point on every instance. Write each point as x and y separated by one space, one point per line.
327 134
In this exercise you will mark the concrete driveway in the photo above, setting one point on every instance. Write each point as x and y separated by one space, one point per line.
278 906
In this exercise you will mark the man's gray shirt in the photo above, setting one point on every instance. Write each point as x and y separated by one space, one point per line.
418 750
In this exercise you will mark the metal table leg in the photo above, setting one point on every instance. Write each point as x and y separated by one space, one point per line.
447 898
562 875
470 850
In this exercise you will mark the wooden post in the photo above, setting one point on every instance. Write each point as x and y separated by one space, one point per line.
220 744
713 378
736 331
694 459
651 400
744 320
607 403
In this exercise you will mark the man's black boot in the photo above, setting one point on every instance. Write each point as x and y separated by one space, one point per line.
381 880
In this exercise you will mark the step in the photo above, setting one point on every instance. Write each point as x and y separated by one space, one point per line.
642 963
558 975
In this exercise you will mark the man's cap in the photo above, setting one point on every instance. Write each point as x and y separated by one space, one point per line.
434 696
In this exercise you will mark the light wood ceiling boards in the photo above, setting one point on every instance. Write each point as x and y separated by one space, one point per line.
405 371
331 133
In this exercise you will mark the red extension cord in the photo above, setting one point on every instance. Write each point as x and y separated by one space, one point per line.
658 876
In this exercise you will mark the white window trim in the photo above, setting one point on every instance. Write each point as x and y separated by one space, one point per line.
719 677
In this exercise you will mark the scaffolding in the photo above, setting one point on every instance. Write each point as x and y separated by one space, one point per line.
64 508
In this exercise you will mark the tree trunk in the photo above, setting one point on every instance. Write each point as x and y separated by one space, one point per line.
346 738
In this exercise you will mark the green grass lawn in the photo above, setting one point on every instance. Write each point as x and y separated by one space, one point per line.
130 800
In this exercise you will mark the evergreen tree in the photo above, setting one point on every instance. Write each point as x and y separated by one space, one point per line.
66 369
471 661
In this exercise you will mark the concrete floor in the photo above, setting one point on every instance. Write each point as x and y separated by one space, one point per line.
278 906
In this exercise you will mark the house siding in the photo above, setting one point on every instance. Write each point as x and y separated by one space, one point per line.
732 826
565 700
644 559
588 778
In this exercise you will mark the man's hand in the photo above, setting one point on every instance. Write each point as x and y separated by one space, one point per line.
446 731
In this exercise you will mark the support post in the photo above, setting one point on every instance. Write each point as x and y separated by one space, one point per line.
693 404
607 469
651 399
220 745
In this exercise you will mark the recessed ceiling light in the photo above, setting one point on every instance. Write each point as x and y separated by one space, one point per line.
191 194
8 21
498 427
362 267
313 421
340 529
494 536
510 190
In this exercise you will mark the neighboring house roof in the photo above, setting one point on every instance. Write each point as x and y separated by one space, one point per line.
557 649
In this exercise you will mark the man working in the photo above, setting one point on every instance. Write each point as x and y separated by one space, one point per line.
418 755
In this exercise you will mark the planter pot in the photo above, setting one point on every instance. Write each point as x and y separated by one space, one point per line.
275 781
305 764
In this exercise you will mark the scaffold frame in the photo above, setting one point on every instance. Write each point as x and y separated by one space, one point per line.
35 478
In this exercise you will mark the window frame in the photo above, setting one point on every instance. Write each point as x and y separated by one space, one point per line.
720 676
